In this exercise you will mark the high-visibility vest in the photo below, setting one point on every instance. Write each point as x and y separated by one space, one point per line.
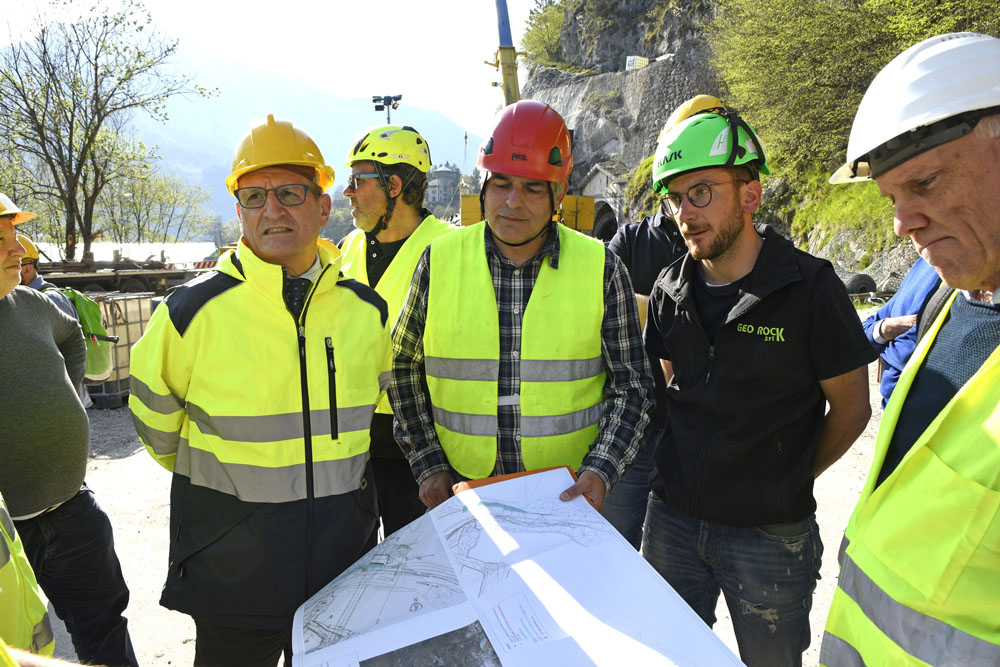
920 568
24 621
220 377
561 365
394 284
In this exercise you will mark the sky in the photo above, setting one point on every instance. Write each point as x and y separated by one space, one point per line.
431 52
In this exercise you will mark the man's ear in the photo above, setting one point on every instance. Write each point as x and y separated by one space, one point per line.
395 185
557 201
752 194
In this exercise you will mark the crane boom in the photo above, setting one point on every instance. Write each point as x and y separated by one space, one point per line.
506 58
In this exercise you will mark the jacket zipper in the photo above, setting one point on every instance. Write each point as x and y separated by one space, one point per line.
307 431
332 375
711 361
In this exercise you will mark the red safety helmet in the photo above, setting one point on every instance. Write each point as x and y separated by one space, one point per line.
530 140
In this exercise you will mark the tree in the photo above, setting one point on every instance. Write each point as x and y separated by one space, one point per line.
66 94
541 35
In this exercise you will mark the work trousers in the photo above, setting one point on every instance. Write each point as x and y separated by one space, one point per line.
768 574
222 646
625 505
72 551
398 494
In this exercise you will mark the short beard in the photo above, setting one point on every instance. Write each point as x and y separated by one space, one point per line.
725 237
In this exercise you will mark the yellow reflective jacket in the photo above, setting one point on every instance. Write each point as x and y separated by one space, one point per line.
394 284
217 388
24 621
264 421
561 368
920 568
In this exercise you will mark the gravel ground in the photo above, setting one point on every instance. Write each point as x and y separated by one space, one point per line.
134 491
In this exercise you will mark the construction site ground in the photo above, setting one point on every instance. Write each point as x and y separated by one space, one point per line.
134 491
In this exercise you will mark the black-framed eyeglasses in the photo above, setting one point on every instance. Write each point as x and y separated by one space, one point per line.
290 194
352 180
699 194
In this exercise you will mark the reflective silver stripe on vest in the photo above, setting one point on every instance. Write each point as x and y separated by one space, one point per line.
924 637
163 403
163 443
448 368
532 370
260 484
5 552
466 424
274 428
537 370
835 652
384 379
41 635
540 427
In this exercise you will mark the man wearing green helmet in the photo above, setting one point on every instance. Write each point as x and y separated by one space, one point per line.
386 187
754 338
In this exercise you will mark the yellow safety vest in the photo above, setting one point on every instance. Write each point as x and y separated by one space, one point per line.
920 572
24 621
561 364
394 284
222 401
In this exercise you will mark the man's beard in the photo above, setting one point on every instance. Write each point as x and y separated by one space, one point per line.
725 236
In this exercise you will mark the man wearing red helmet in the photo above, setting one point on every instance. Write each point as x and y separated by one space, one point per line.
522 349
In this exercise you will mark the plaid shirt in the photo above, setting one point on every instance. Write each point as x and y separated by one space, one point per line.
628 389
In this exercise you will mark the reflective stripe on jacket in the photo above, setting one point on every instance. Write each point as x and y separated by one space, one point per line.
920 572
24 621
561 368
223 378
394 284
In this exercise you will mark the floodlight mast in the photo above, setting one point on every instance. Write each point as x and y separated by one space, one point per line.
387 102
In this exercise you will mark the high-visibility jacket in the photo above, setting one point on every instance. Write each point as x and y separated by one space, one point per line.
394 284
24 621
920 568
264 421
561 364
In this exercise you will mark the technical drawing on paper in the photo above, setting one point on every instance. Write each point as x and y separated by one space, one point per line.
527 522
405 576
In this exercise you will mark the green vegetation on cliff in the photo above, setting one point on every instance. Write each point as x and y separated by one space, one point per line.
797 72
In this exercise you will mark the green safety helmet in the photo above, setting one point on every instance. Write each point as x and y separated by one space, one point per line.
704 141
392 144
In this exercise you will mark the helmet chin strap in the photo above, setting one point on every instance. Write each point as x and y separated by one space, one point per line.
390 202
541 231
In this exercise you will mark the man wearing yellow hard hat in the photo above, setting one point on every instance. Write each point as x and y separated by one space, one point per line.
67 537
31 278
389 166
255 385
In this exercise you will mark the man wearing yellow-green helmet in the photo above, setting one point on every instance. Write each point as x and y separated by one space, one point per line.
389 166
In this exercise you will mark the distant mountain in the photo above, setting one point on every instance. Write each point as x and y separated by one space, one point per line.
197 141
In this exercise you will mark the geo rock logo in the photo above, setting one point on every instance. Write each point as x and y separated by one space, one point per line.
769 334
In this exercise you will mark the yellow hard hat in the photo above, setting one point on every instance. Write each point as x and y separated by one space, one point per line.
277 142
7 207
30 249
690 107
392 144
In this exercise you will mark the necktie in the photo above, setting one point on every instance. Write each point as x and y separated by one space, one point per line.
294 292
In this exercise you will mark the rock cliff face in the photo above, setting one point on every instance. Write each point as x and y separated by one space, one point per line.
616 115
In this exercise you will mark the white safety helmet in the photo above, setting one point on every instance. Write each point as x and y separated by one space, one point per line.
931 93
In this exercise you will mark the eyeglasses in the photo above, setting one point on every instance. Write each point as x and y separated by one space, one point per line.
352 180
290 194
699 194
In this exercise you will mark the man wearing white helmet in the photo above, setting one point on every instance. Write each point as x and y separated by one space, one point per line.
920 573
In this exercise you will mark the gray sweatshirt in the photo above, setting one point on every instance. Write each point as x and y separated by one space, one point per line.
44 431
